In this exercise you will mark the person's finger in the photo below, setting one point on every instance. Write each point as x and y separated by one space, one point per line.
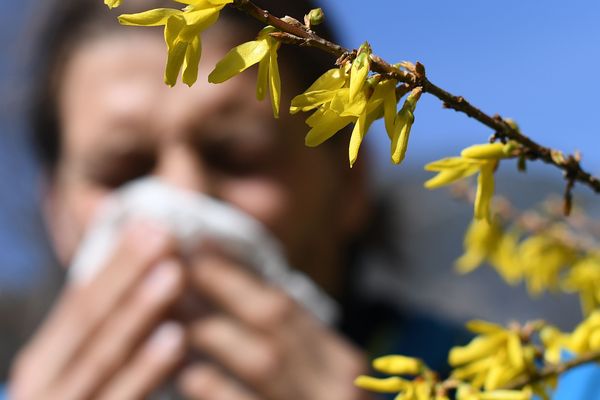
123 331
207 382
82 308
245 353
150 366
242 294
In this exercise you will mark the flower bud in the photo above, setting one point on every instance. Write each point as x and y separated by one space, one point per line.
316 16
398 365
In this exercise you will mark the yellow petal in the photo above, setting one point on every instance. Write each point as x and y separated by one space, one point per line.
262 82
155 17
238 59
358 134
200 20
346 108
191 61
398 365
310 100
325 123
331 80
450 176
515 352
488 151
388 87
386 385
479 347
401 134
177 49
448 163
112 3
274 80
483 327
505 395
359 71
485 191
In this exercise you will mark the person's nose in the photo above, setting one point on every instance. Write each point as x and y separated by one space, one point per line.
178 165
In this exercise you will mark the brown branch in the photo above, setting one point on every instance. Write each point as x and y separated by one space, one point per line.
553 370
301 35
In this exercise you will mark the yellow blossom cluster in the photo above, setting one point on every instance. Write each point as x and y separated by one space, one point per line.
346 95
541 260
494 358
412 380
584 338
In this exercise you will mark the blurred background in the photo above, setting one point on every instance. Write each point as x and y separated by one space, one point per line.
534 63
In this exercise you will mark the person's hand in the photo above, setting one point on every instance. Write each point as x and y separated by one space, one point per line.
262 344
104 339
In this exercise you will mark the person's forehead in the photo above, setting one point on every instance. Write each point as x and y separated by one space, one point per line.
113 86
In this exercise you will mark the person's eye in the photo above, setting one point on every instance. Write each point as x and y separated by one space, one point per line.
115 170
235 161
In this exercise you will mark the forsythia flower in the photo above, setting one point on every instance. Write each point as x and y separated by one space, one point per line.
492 359
585 338
112 3
481 158
360 70
403 125
182 33
584 278
420 388
263 51
335 108
486 241
542 260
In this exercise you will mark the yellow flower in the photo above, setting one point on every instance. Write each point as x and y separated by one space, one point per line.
481 241
182 34
403 125
398 365
263 51
360 70
492 359
392 384
584 278
543 259
330 96
112 3
482 158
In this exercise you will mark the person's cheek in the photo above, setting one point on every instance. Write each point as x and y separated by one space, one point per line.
72 214
264 198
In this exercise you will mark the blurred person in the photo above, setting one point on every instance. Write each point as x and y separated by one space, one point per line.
102 118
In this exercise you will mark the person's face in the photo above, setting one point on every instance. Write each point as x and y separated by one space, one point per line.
120 122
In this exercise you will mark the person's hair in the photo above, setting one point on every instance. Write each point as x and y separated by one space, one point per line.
70 23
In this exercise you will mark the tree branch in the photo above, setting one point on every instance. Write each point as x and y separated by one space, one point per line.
301 35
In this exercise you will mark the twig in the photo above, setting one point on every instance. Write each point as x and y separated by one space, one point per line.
302 35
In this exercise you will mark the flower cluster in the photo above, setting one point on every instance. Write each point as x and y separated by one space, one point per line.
494 358
348 94
543 260
412 380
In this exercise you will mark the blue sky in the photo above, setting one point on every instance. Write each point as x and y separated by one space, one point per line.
536 62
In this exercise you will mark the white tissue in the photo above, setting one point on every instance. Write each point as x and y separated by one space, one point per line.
192 218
